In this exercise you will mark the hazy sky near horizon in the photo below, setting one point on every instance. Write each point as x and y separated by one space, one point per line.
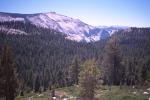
93 12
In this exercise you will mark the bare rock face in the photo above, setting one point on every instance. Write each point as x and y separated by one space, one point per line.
74 29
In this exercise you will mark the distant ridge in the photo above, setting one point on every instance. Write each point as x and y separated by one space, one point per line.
74 28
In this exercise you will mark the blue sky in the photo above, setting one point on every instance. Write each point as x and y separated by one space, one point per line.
94 12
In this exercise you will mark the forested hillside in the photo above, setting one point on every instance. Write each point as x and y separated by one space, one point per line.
45 59
135 50
44 56
126 57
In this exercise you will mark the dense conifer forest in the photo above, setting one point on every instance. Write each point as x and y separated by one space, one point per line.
44 59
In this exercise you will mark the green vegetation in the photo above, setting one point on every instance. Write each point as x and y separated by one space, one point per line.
126 93
45 56
46 61
89 77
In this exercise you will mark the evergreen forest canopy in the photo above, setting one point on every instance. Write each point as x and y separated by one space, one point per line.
45 59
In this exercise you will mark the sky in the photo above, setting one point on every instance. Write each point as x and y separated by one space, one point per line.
93 12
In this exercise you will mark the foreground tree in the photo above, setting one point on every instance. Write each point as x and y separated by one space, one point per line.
1 81
8 76
88 80
112 69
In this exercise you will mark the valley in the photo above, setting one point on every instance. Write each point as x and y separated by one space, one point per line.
85 62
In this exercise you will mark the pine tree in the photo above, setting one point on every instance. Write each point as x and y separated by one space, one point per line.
2 81
113 70
74 70
9 76
133 69
37 84
88 80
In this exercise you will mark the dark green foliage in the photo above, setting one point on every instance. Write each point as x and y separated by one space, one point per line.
45 53
135 53
8 78
74 69
37 84
133 71
112 68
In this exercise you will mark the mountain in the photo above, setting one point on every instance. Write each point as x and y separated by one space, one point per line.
73 28
53 55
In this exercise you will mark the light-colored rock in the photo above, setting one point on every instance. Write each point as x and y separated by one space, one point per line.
54 98
40 95
148 89
30 98
145 93
134 92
